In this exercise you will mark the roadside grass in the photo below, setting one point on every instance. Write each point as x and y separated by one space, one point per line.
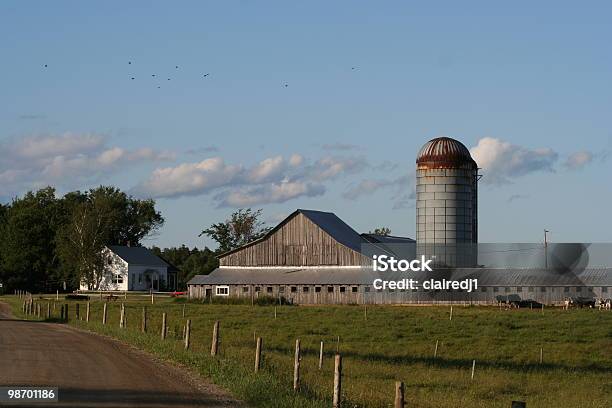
394 343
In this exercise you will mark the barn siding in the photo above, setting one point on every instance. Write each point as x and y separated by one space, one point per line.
299 242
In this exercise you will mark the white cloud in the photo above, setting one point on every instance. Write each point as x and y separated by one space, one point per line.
502 161
33 161
270 193
578 160
402 192
272 180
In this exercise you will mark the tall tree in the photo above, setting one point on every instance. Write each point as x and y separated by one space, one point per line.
28 240
242 227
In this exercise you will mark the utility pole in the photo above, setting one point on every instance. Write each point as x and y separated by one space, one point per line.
546 249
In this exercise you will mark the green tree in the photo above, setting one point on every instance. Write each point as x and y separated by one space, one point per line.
28 243
242 227
381 231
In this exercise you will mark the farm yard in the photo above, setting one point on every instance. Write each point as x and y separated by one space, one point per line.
548 358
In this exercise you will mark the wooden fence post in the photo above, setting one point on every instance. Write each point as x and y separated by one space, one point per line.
152 298
104 313
187 333
451 313
337 400
38 314
214 347
143 324
296 366
473 368
77 312
541 355
321 356
399 394
122 317
258 354
436 350
87 311
518 404
163 327
48 311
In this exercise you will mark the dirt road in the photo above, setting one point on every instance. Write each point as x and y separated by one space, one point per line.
93 371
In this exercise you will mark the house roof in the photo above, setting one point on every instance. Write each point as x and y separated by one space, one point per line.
331 224
365 276
137 255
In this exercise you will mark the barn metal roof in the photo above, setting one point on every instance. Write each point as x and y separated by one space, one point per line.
365 276
137 255
328 222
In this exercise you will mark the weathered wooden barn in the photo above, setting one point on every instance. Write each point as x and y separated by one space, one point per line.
310 257
313 257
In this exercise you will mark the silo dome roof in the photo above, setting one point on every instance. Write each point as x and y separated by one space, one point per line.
445 152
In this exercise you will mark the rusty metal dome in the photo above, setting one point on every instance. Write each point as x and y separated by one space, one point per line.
445 152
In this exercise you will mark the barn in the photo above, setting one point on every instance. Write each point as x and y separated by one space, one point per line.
309 257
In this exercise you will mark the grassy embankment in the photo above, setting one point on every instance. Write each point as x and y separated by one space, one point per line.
394 343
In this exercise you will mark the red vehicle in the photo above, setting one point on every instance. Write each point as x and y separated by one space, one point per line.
177 294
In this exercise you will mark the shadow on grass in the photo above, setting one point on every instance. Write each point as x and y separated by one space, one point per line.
446 362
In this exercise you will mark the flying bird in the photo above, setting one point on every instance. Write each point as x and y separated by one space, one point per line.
45 65
286 85
152 75
129 62
176 67
132 77
168 79
205 75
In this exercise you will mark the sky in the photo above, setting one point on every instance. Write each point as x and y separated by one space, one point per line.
319 105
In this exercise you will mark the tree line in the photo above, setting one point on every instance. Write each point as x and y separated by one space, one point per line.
50 243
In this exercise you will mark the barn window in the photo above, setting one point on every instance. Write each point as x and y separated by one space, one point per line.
269 289
342 289
495 289
507 289
222 290
305 289
578 289
245 289
519 288
354 289
367 288
566 289
257 289
330 289
281 289
543 289
530 289
317 289
293 289
483 288
604 289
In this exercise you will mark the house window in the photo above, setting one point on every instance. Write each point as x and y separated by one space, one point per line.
305 289
293 289
269 289
117 278
354 289
342 289
245 289
330 289
317 289
222 290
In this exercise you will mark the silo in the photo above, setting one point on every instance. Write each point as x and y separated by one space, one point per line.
447 203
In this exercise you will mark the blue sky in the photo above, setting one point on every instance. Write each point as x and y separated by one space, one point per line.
525 84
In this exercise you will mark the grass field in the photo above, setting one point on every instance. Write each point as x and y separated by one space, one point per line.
394 343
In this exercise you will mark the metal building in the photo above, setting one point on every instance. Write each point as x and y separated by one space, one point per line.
447 202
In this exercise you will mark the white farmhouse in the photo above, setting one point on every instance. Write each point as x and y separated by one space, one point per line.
135 269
